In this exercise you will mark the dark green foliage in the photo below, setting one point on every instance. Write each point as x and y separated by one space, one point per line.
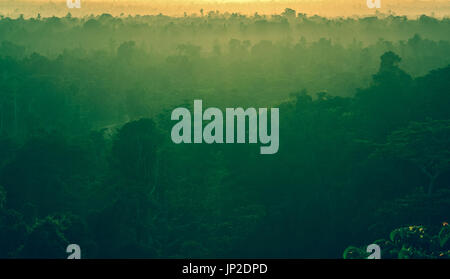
13 232
412 242
45 240
425 144
86 155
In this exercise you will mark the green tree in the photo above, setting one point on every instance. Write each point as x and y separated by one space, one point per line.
425 144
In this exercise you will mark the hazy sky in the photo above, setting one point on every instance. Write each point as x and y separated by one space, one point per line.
330 8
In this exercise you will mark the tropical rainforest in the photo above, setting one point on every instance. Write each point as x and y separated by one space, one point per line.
86 155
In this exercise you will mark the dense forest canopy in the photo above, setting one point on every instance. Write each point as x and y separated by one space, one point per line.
265 58
86 155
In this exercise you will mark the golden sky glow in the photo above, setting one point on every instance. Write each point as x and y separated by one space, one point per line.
329 8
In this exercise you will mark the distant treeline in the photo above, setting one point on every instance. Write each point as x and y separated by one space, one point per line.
233 59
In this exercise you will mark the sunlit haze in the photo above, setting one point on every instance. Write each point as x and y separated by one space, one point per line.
329 8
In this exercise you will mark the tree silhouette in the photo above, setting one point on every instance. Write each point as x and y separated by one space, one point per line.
426 144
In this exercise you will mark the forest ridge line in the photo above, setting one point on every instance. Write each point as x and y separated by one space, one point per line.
330 9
